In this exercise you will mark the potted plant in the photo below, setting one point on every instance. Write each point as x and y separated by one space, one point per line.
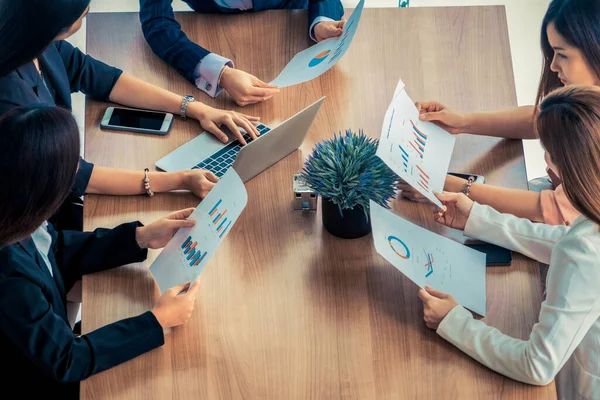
346 173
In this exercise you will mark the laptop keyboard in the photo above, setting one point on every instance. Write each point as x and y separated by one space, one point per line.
220 161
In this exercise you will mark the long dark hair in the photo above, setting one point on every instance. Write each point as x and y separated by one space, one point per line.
28 27
40 156
577 21
568 125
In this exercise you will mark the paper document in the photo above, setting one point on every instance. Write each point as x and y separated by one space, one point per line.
186 255
417 151
317 59
427 258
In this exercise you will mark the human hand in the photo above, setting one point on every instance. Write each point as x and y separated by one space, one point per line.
245 88
328 29
436 305
175 306
212 118
457 208
157 234
446 118
199 181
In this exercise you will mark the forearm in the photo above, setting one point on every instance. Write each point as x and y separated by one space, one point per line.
121 182
133 92
520 203
516 123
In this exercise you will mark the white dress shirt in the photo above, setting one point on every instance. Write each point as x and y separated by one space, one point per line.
42 240
566 338
208 70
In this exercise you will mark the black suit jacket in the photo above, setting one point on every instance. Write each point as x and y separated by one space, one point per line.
37 342
67 70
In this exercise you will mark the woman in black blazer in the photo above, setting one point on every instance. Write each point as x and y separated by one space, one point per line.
38 345
38 67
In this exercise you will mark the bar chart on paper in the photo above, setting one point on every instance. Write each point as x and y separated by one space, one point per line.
186 255
419 152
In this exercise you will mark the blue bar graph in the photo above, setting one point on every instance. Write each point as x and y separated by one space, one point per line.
225 230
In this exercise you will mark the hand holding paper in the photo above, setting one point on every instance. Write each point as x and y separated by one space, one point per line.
427 258
317 59
418 151
186 255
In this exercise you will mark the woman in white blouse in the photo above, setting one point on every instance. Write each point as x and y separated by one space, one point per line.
565 343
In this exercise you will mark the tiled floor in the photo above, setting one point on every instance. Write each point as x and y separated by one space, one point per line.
523 16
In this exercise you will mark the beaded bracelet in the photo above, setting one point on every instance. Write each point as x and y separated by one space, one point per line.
149 191
470 181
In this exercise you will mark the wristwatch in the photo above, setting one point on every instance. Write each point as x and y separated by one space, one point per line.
187 99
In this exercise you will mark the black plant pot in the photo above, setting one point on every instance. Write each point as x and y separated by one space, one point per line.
352 224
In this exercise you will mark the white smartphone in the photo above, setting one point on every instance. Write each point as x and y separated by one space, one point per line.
140 121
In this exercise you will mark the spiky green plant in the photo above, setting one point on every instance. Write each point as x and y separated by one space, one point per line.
346 171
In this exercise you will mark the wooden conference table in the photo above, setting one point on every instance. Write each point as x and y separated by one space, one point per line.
287 311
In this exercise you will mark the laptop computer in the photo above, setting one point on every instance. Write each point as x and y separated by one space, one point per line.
273 144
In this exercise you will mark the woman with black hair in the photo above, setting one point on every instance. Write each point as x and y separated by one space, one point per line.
39 265
38 67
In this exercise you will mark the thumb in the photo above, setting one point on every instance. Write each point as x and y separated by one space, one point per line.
180 223
258 83
181 214
424 296
448 197
211 177
436 293
432 116
194 289
175 290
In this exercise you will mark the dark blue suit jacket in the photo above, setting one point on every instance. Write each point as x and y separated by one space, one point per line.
67 70
166 39
35 337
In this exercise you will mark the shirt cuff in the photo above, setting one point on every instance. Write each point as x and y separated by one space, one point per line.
82 179
208 71
447 329
474 223
311 32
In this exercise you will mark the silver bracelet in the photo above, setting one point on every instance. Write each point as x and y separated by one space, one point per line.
187 99
149 191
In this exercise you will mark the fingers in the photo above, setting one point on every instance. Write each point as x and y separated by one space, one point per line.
448 197
424 296
175 290
257 82
180 223
233 128
431 116
249 117
262 93
428 106
215 130
436 293
248 127
181 214
194 288
341 24
210 176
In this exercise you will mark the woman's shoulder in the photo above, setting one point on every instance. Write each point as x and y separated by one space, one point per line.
581 243
14 260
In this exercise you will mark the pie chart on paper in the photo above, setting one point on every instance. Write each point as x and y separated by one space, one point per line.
319 58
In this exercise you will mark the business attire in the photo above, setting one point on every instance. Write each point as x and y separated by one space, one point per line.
65 70
37 342
566 340
197 64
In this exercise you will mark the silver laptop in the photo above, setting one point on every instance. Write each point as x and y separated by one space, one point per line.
272 145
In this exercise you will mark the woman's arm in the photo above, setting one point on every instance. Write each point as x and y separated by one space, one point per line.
516 123
121 182
571 308
521 203
133 92
48 341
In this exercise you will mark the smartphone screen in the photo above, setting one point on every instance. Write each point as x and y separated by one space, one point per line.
137 119
495 255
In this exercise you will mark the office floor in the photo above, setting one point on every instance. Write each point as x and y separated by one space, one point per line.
524 18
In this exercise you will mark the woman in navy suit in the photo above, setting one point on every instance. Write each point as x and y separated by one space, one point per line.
39 265
38 67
